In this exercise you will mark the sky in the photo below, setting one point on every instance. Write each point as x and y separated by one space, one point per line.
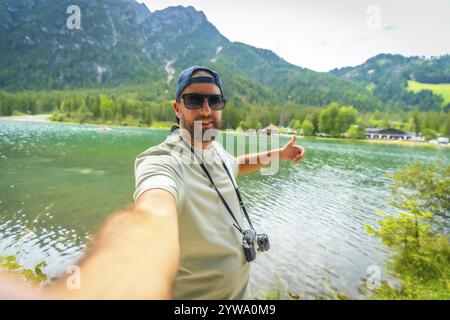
326 34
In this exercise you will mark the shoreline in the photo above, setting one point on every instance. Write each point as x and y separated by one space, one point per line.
46 118
389 142
35 117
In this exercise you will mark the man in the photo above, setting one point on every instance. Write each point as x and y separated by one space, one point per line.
177 241
201 199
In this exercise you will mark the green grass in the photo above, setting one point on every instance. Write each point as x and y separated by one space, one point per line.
442 89
161 124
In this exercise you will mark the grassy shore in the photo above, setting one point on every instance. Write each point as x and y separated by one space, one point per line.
390 142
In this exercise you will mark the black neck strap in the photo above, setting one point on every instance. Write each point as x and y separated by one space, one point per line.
236 189
238 193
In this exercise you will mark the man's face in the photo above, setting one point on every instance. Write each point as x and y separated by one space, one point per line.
204 118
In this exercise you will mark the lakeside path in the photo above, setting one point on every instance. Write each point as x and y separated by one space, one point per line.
36 117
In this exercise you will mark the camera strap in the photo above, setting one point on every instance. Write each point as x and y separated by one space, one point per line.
238 194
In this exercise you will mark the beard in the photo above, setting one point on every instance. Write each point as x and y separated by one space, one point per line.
201 133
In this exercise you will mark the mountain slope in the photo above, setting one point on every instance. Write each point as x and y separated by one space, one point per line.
292 83
387 76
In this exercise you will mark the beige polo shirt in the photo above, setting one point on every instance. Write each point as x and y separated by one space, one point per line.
212 261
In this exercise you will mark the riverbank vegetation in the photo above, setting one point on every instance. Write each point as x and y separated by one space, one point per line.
35 275
418 233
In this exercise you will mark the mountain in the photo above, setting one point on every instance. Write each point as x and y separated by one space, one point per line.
40 52
181 36
387 76
122 43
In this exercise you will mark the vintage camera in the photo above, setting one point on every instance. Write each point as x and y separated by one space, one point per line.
248 242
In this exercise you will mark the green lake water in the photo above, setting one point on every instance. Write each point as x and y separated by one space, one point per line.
58 182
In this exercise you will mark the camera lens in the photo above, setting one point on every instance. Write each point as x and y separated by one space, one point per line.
249 236
263 242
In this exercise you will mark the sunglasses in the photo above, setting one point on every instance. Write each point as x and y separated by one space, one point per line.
194 101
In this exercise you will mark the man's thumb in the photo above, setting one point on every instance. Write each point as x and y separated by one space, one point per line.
293 139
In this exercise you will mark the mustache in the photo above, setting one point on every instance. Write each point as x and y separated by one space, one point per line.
204 119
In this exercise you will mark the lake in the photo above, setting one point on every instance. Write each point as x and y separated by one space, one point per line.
58 182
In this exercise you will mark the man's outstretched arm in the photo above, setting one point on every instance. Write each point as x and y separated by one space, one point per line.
135 255
251 162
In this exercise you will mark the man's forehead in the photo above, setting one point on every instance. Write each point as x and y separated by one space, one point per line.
204 88
202 73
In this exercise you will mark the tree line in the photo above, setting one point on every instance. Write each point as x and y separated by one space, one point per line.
141 106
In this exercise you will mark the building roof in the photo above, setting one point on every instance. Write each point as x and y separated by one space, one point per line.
389 131
271 127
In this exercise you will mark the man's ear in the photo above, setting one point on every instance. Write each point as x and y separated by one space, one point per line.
176 108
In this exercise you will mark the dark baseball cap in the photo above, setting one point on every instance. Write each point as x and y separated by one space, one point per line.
185 79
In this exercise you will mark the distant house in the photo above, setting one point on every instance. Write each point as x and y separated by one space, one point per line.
271 129
442 140
389 134
321 134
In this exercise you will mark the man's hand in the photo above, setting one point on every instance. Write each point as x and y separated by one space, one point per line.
252 162
135 255
291 151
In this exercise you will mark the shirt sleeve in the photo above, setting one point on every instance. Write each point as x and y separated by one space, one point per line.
158 172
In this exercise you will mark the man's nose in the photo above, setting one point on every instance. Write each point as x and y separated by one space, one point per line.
205 110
